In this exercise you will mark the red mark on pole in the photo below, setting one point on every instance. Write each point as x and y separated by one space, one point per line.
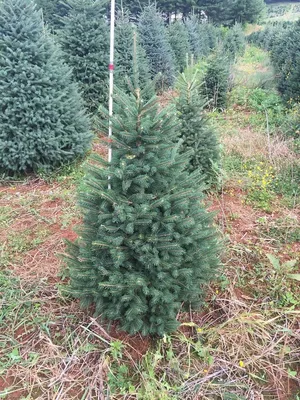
111 67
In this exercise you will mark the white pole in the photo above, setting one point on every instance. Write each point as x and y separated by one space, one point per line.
111 75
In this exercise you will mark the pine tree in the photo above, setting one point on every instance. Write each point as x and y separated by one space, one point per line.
154 39
85 41
216 80
147 244
196 133
179 40
42 124
125 36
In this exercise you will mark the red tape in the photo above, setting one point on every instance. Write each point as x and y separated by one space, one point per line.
111 67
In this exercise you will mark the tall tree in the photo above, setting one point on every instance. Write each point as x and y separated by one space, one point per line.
85 41
154 39
42 124
147 244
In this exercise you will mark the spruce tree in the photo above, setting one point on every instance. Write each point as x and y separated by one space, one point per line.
85 41
130 57
179 40
42 124
216 80
154 39
53 11
196 132
234 43
147 243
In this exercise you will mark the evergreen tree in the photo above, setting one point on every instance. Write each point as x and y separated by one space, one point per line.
285 56
85 41
147 244
216 80
243 11
234 43
42 124
53 11
154 39
196 133
179 40
202 37
124 56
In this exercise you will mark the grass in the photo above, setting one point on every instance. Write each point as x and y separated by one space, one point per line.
244 343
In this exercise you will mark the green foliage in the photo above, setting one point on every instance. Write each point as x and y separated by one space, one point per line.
228 12
53 11
196 133
286 58
234 43
216 80
179 41
42 125
147 244
202 37
126 70
154 39
85 41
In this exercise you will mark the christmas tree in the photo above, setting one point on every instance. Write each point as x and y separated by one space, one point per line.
154 39
130 57
147 243
216 80
234 43
179 40
42 124
197 134
85 41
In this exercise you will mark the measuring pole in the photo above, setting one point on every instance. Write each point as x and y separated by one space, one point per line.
111 76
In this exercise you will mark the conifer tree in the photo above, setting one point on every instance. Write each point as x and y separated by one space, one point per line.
42 124
234 43
126 45
154 39
53 11
85 41
147 244
216 80
196 133
179 40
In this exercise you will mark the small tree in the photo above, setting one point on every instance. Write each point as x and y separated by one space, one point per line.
198 136
216 80
128 52
179 40
147 244
85 41
42 124
154 39
234 43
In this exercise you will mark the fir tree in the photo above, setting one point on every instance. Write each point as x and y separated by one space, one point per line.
234 43
202 37
216 80
154 39
53 11
197 134
85 41
179 40
128 52
42 124
147 244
